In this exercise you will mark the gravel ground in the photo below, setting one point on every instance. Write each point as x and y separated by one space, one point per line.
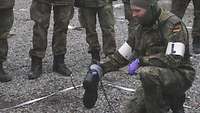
20 89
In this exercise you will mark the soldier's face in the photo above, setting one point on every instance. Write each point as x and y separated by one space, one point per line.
141 15
138 12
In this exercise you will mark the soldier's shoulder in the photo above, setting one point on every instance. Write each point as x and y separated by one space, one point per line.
173 23
174 20
168 17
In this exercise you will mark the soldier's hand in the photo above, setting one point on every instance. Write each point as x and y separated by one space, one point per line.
133 66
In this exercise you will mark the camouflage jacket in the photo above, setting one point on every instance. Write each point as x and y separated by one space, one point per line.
149 45
57 2
7 4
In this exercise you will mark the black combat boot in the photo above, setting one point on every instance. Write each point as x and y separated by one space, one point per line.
3 76
95 57
36 68
196 45
59 66
90 84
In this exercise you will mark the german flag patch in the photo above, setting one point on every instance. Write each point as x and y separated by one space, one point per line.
176 28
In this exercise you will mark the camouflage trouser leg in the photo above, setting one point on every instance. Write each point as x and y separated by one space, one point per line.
40 14
3 49
81 18
131 22
62 16
127 11
179 7
196 22
6 22
160 89
89 15
107 21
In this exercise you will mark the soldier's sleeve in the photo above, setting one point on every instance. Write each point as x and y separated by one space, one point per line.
176 47
120 58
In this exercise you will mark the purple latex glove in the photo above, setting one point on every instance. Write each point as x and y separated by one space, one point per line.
133 66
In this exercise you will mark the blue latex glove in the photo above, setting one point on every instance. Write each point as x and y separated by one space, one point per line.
133 66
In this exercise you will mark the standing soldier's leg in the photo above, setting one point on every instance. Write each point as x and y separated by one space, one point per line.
4 77
6 22
89 15
81 18
127 9
131 22
107 21
40 14
127 14
196 27
62 16
179 7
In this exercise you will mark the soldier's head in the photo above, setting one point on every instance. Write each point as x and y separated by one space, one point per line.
145 11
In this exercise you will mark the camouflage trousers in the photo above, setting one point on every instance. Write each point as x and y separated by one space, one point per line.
179 7
40 14
162 89
6 22
106 20
131 22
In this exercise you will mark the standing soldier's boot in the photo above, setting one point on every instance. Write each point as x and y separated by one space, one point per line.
36 68
95 57
196 45
59 66
3 76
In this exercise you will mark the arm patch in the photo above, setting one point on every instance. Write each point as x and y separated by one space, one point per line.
175 48
126 51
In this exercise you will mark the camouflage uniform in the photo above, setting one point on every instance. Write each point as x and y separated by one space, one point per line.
80 18
127 9
6 22
40 13
179 7
127 12
104 9
165 78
